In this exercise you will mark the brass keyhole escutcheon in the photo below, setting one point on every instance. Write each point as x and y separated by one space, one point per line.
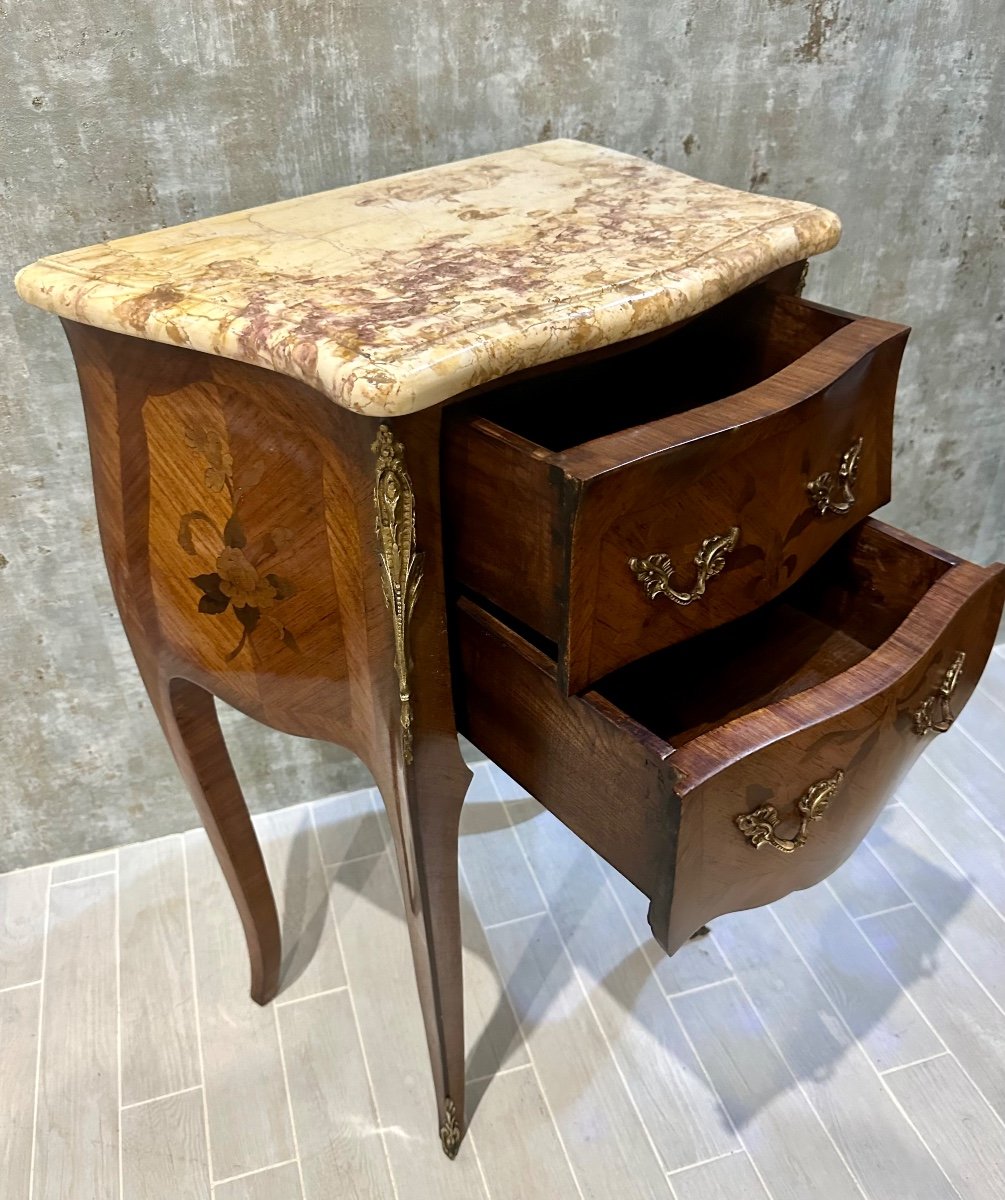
758 827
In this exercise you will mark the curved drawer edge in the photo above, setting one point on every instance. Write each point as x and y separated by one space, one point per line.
856 731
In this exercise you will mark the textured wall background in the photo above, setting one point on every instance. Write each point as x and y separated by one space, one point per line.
118 118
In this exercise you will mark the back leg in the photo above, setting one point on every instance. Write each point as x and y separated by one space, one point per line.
188 716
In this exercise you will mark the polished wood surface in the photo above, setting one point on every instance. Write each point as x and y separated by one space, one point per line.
859 722
654 766
303 563
237 518
721 425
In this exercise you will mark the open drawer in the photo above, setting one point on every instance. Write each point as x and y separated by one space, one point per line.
726 772
620 505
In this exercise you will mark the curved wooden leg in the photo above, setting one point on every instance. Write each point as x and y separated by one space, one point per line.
188 716
424 805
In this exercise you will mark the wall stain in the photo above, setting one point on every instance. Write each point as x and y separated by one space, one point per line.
823 19
759 176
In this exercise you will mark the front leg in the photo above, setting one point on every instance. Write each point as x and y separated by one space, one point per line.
420 772
424 806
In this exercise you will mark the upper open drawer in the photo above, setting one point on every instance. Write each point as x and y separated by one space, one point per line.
625 503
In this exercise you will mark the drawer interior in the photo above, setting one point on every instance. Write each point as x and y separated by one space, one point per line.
733 346
838 613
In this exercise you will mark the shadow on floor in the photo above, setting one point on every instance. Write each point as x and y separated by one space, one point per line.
626 977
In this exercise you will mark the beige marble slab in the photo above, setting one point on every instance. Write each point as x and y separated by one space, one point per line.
396 294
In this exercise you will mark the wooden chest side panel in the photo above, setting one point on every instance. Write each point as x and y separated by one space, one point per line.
611 786
237 524
502 523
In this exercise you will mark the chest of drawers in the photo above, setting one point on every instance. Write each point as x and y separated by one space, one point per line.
545 447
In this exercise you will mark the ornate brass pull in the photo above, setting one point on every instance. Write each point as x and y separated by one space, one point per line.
832 491
923 717
759 826
655 571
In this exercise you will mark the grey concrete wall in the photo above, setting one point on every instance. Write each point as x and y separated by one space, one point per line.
120 117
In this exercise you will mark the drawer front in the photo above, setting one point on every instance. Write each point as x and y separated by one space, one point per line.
785 813
763 786
750 494
658 529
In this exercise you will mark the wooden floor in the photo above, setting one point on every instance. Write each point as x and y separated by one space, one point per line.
849 1042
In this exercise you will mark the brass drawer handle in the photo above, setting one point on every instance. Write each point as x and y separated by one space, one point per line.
940 702
655 571
832 491
758 827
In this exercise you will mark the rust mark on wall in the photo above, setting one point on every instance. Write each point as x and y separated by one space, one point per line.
823 19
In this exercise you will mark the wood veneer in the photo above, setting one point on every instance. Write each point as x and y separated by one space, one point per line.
682 457
653 766
236 510
667 399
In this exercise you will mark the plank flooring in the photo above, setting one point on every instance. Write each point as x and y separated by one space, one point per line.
848 1042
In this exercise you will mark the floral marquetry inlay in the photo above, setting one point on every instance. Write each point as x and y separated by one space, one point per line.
242 580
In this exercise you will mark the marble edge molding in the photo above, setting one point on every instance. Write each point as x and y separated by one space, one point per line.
430 373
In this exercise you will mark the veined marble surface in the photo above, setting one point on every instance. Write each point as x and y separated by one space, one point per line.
396 294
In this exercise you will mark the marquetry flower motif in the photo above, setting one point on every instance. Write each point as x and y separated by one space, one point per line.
242 581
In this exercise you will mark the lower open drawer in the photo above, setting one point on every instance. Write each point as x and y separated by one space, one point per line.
727 771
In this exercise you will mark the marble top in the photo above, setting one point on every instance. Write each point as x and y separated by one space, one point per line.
396 294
